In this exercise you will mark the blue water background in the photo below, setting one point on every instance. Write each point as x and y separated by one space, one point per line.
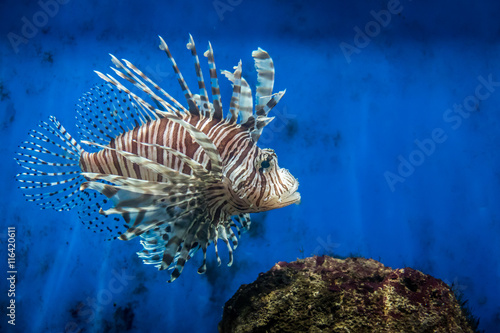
348 121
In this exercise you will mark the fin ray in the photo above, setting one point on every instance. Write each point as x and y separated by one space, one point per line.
54 174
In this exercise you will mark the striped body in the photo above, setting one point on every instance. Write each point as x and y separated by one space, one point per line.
232 140
181 178
235 147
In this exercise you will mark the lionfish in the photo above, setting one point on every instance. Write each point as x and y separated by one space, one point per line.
181 178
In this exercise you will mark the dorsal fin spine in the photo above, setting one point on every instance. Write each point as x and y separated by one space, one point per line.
199 74
193 109
214 82
234 107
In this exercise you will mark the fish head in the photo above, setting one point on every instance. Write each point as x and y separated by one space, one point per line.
268 186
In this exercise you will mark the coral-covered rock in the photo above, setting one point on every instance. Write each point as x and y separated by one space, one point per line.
323 294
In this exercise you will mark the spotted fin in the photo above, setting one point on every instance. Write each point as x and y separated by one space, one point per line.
51 160
88 213
169 218
105 112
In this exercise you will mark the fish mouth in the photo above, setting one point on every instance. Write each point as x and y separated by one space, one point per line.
293 198
290 197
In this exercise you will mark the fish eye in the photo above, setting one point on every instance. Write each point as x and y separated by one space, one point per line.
265 161
265 164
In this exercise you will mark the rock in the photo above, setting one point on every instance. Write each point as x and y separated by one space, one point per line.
323 294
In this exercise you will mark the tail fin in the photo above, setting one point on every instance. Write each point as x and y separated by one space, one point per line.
51 159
